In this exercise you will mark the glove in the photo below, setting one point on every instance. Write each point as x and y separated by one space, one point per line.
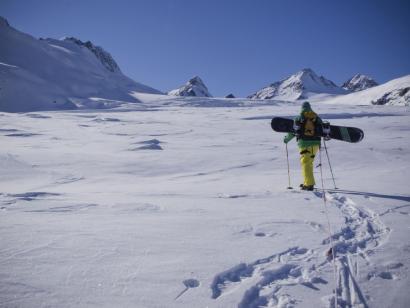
326 130
288 138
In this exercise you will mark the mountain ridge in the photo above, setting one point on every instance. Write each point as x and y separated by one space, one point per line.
51 74
301 85
359 82
395 92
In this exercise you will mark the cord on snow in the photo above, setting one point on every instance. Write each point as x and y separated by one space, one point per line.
331 251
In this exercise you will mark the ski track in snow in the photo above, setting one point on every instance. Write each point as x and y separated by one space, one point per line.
362 233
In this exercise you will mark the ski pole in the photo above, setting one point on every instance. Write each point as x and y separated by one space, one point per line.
328 160
287 159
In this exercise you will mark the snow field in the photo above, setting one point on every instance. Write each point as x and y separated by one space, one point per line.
180 206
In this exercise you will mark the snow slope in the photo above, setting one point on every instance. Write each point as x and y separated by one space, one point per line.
395 92
170 203
194 87
302 85
57 74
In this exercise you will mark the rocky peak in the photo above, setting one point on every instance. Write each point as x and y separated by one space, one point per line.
194 87
306 72
400 97
4 22
359 82
308 75
105 58
196 81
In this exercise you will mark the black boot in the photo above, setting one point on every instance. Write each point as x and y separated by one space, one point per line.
308 187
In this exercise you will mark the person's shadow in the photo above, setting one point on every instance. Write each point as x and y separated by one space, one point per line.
369 194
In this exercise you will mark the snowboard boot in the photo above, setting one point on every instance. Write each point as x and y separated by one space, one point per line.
309 187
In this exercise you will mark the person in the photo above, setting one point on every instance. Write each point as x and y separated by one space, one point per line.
305 126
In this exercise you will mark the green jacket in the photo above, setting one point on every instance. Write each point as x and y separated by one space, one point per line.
301 142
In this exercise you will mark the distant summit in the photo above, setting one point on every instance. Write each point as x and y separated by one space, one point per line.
194 87
230 96
300 85
359 82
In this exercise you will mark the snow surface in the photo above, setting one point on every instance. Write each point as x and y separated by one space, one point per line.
50 74
182 202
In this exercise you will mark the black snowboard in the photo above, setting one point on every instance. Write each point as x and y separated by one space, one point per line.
344 133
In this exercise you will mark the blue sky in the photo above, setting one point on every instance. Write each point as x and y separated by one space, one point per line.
234 46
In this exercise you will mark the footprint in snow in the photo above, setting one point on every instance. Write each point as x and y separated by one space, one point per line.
260 234
383 275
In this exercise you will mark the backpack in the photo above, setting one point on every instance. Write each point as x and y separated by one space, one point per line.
308 127
309 123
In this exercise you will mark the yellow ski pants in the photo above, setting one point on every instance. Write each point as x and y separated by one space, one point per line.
307 157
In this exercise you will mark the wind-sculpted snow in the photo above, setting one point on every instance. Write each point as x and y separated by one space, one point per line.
152 144
93 211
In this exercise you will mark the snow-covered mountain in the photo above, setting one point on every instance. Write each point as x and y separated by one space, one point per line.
359 82
395 92
194 87
49 74
302 85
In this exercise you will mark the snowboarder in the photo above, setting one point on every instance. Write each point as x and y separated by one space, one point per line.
306 125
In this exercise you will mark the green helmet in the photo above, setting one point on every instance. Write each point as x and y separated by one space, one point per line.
306 105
